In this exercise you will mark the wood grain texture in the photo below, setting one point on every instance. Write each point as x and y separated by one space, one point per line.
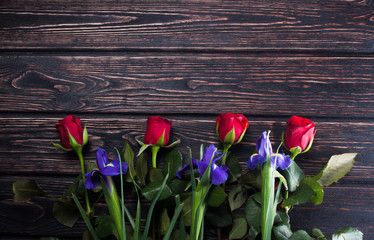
335 25
353 202
26 142
188 84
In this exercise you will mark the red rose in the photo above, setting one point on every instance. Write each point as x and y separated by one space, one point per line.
72 125
300 133
156 127
231 127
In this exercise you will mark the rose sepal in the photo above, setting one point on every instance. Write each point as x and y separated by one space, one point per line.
85 136
241 136
172 144
143 147
74 144
295 151
230 137
59 146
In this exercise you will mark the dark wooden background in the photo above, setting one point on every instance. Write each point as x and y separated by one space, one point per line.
113 63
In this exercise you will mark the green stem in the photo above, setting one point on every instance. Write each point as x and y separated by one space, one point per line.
81 160
154 155
114 206
226 148
267 197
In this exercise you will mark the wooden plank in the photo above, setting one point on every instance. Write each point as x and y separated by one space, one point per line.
335 25
352 204
188 84
26 142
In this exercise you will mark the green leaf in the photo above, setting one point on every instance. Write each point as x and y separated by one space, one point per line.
235 168
303 194
127 155
253 210
178 186
239 228
176 235
337 167
172 163
187 211
156 175
293 175
300 235
165 222
216 196
173 221
318 233
85 218
151 190
86 235
317 188
348 234
282 232
26 189
252 233
237 197
281 178
281 218
252 178
105 227
152 206
219 217
65 212
73 187
141 169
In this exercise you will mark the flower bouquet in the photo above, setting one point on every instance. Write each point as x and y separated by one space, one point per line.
198 197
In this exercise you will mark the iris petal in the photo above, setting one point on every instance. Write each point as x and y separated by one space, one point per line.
186 168
101 158
219 174
124 166
208 153
92 179
254 160
201 167
263 145
282 161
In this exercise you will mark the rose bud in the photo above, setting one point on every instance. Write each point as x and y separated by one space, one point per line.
156 135
158 131
72 135
230 128
299 135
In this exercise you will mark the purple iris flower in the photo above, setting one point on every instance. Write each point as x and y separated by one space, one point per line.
264 150
105 169
218 174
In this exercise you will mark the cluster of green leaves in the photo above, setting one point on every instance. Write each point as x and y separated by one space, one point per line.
64 209
157 185
233 210
301 189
